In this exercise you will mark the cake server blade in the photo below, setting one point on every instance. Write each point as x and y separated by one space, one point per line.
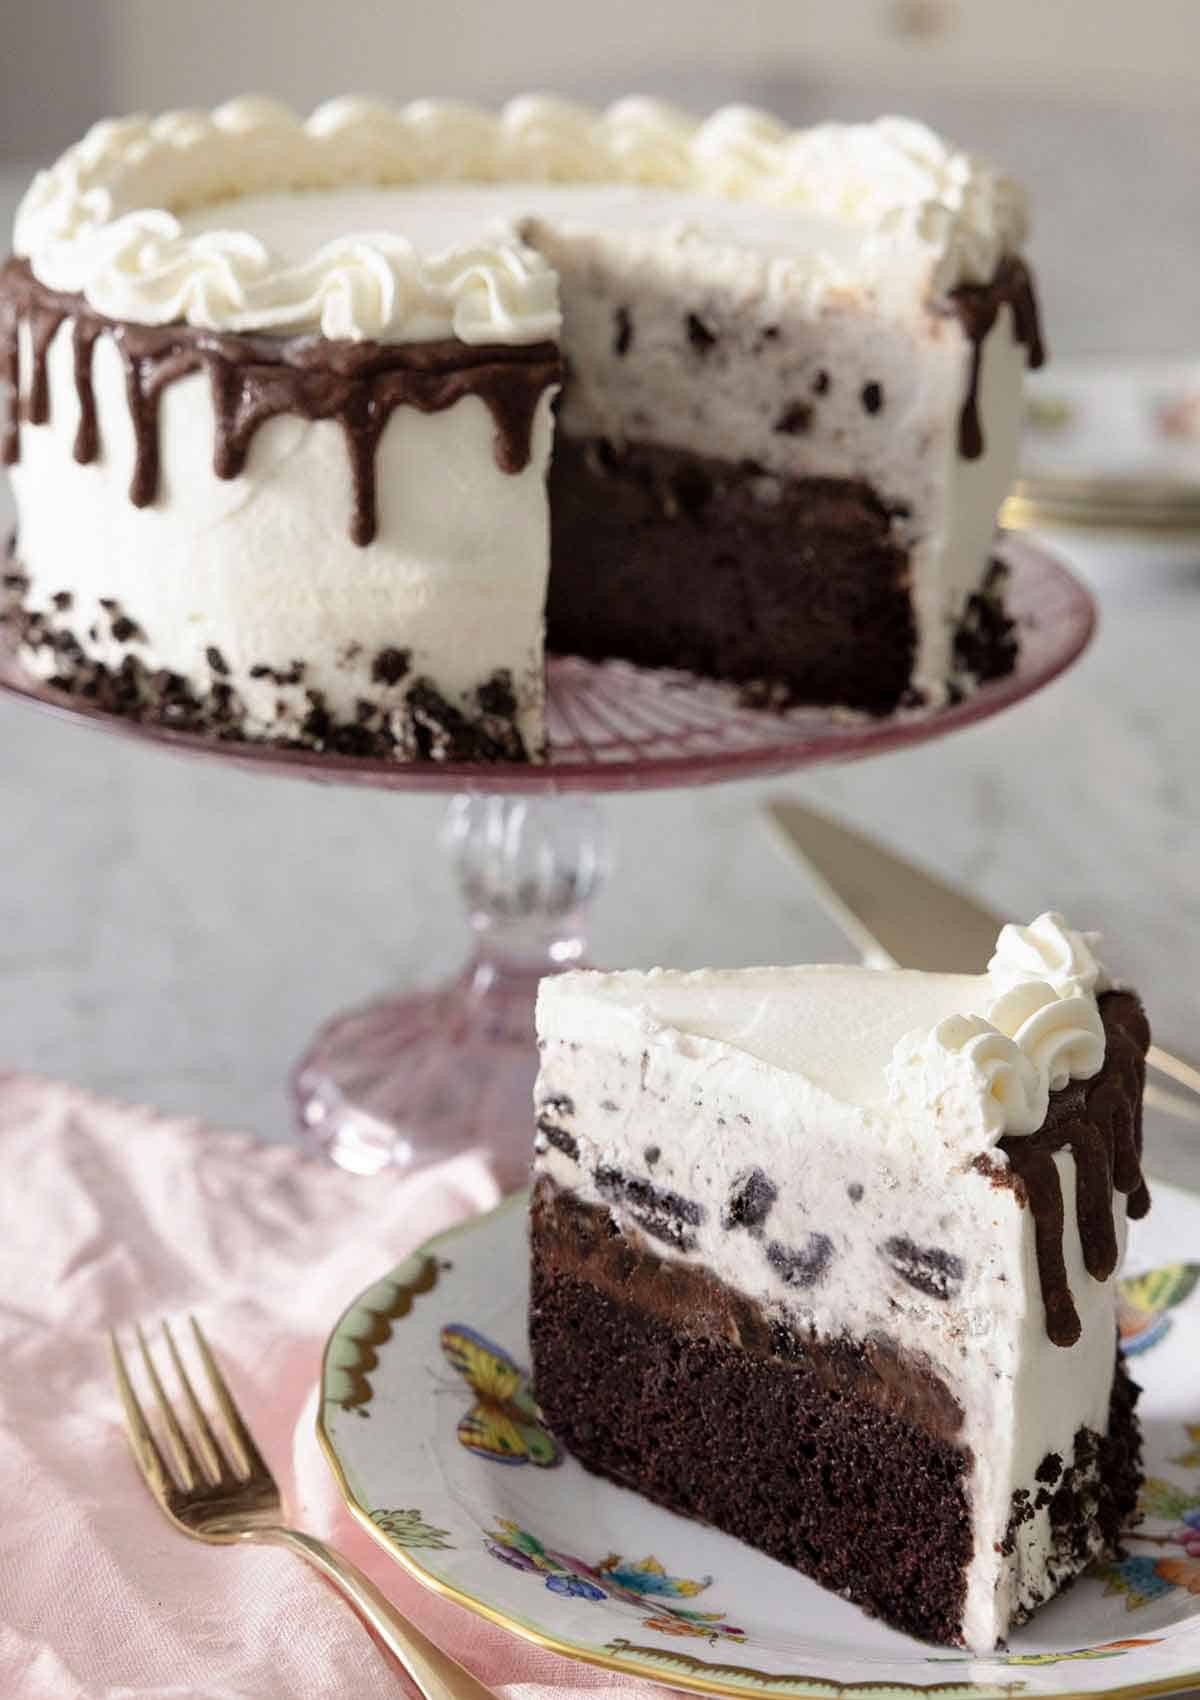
897 915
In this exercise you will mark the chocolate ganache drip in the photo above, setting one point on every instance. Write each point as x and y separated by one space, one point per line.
256 378
978 306
1100 1122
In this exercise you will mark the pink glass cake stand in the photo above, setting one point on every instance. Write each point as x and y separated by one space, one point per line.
412 1078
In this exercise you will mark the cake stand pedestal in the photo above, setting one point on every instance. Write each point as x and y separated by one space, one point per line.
423 1074
415 1078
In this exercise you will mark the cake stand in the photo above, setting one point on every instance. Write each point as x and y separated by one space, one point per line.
420 1076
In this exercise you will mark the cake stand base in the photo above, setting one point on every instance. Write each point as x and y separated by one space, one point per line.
415 1078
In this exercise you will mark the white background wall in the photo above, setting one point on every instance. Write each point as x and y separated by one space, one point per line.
64 62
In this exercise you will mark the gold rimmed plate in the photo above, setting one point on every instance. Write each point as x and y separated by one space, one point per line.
1112 445
428 1422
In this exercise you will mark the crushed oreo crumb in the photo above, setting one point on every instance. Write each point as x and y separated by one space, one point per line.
216 660
390 666
795 419
985 644
559 1137
854 1191
702 339
660 1213
290 676
936 1273
623 334
872 397
821 383
801 1266
750 1199
443 733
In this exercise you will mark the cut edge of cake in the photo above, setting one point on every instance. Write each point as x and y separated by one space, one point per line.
858 1230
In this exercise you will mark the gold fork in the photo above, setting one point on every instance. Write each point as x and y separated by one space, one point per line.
227 1493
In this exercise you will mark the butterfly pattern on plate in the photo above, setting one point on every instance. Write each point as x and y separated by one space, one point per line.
503 1424
1144 1304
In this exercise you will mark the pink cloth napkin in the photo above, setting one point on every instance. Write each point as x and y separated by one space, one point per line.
109 1215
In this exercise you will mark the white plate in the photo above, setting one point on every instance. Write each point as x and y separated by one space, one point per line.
1114 445
534 1543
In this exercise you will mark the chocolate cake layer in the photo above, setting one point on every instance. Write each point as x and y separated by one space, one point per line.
829 1456
840 1458
672 559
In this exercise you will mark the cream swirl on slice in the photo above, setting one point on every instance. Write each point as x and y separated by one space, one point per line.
1047 949
1061 1033
967 1073
995 1072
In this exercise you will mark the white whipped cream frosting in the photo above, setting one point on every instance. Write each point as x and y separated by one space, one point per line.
1040 1030
108 219
1048 950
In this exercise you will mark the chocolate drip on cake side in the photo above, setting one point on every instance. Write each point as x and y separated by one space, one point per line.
257 378
977 306
1100 1122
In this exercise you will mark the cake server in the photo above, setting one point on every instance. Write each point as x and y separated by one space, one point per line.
897 915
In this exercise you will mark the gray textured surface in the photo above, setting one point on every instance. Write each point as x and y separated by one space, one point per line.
172 932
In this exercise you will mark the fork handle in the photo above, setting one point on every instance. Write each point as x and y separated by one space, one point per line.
436 1675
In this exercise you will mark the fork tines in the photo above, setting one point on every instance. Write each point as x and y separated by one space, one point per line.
200 1461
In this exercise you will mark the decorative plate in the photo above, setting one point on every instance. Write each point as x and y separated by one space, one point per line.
1114 445
429 1424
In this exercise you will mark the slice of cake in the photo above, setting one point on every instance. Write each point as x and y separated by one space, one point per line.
282 428
826 1257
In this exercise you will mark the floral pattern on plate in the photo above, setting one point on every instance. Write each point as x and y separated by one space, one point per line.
613 1578
409 1529
1146 1577
1106 1650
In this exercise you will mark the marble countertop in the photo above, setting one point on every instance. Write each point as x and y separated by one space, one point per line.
173 932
